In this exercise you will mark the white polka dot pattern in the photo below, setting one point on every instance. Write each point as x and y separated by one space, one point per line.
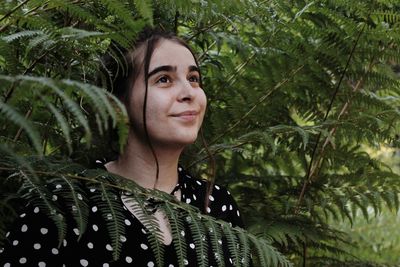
34 242
84 262
24 228
128 259
76 231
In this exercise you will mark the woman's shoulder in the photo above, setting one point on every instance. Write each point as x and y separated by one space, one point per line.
221 203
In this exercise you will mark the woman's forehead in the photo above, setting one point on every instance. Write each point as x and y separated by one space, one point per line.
170 53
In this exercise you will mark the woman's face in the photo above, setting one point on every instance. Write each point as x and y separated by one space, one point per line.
175 101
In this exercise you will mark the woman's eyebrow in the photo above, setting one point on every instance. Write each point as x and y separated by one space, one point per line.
167 68
194 68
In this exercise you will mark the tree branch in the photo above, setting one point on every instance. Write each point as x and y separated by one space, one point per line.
262 99
9 93
27 115
313 164
13 10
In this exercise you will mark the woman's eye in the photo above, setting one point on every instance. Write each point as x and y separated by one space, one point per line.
194 79
163 79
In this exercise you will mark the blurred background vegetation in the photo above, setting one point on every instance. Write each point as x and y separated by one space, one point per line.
303 116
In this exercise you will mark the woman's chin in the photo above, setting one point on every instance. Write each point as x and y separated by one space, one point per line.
180 142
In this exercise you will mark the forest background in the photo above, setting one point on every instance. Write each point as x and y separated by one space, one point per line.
303 116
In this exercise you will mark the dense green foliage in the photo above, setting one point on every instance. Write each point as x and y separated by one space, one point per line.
298 93
378 238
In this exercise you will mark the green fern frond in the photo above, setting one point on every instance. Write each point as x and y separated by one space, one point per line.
199 236
15 117
71 33
43 40
72 193
359 201
203 228
215 236
22 34
8 62
29 188
245 248
260 252
146 217
145 10
121 108
385 16
176 222
121 12
265 159
112 214
72 106
62 122
98 99
232 240
76 11
274 257
390 197
284 233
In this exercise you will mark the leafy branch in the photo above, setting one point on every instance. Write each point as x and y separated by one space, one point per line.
313 161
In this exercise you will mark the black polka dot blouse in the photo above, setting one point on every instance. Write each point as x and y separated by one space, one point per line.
33 239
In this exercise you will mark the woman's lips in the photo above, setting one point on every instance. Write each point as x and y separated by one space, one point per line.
189 115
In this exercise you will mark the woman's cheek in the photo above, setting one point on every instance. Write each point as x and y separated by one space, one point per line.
204 100
203 105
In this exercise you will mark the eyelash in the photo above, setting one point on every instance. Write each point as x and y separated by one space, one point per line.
191 79
163 77
195 77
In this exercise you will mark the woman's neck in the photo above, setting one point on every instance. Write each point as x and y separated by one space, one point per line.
137 163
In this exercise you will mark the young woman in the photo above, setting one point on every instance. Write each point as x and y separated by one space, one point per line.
163 94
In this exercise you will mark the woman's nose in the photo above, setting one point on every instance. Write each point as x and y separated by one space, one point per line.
186 92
